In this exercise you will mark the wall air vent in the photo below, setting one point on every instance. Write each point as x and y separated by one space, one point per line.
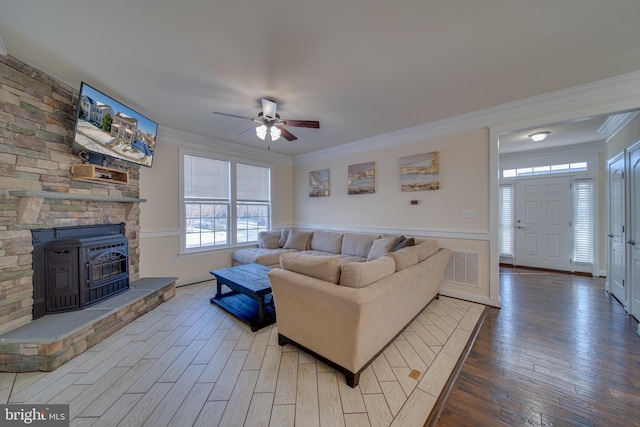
464 268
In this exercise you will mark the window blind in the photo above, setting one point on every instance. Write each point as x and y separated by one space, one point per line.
506 220
583 221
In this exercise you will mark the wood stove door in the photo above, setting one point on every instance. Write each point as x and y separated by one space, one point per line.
62 290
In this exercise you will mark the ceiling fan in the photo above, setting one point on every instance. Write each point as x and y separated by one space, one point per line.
269 122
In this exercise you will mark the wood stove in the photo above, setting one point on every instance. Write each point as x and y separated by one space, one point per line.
75 267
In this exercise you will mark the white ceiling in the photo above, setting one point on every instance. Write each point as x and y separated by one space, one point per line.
361 67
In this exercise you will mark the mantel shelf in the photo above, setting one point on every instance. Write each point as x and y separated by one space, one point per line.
31 202
68 196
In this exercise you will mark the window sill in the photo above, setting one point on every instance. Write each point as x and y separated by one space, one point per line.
211 250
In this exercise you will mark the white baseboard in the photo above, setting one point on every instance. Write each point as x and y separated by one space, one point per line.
470 297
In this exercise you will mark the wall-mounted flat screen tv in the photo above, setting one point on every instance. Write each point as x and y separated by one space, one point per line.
107 128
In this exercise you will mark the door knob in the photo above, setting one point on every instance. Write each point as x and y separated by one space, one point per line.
610 235
631 242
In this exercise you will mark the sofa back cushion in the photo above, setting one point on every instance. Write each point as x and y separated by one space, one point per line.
405 257
426 248
357 244
326 241
321 267
360 274
298 239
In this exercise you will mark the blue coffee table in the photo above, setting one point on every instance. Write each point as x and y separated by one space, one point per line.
250 298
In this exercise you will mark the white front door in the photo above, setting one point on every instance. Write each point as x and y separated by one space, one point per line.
616 236
633 232
544 236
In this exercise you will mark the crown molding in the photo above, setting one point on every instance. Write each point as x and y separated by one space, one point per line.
199 142
3 50
616 123
604 96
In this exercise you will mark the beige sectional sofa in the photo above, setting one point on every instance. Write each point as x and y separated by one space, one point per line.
345 296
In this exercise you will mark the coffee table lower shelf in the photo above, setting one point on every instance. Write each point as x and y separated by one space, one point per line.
246 309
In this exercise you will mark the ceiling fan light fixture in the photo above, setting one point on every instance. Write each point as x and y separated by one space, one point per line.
275 133
539 136
261 131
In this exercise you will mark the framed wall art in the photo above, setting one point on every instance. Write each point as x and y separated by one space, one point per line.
319 183
420 172
361 178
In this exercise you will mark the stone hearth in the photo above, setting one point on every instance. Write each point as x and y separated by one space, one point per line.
47 343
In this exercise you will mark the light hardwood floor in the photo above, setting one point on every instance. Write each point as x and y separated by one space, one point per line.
190 363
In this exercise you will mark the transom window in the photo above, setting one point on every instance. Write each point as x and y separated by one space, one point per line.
547 169
224 202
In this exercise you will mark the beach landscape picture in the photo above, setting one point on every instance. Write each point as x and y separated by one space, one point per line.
361 178
319 183
420 172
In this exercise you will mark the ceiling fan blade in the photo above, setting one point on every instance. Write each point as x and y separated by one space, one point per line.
311 124
286 134
233 115
251 129
269 108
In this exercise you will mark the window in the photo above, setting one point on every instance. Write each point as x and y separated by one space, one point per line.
506 220
545 169
214 214
253 201
583 221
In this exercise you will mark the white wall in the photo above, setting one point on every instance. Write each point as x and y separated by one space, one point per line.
464 185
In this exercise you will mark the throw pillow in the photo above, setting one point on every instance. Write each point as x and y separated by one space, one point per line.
403 242
284 233
269 239
321 267
380 247
298 240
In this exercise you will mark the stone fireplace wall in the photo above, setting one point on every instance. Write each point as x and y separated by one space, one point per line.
37 117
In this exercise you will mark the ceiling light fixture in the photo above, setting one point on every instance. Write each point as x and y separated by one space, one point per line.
261 131
273 131
539 136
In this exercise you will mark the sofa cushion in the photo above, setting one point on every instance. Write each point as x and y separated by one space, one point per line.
259 255
405 257
380 247
426 248
403 242
326 241
325 268
298 240
357 244
360 274
269 239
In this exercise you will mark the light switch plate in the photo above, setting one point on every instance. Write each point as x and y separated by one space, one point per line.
468 213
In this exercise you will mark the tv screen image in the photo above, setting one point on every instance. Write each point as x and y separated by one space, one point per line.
106 127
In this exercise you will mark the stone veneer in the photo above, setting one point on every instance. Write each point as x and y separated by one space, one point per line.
37 117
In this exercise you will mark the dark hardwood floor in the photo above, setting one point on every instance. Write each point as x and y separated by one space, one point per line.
560 352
